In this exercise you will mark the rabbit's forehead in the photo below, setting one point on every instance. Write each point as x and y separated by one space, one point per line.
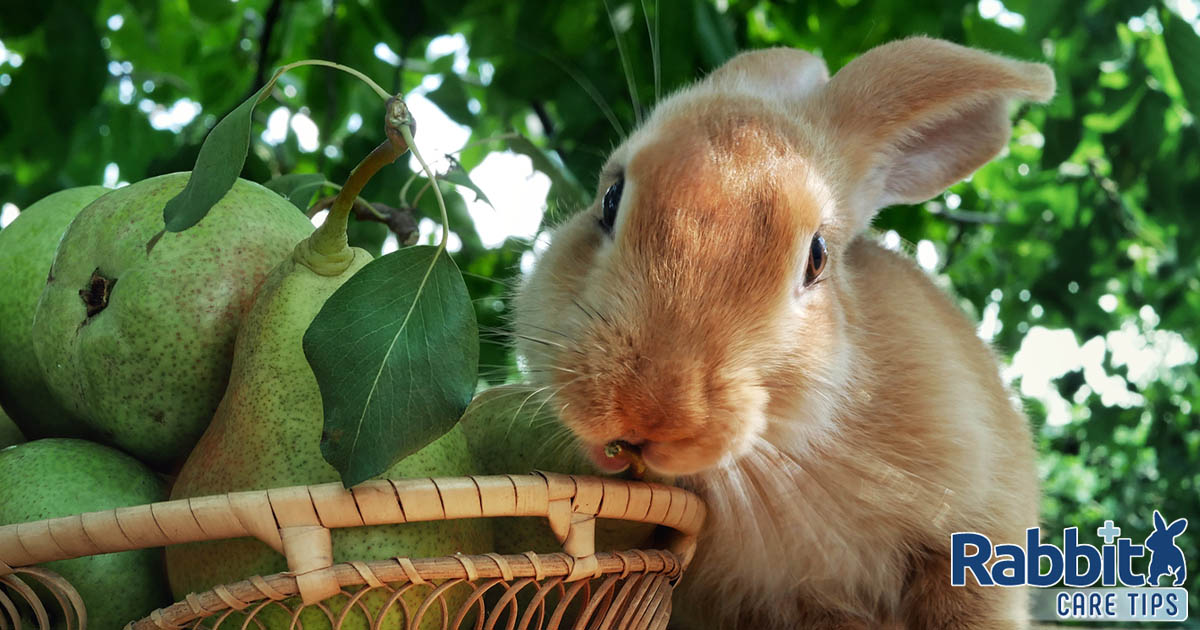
725 167
719 199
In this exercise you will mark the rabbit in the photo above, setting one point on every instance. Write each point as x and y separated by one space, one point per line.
1166 558
722 306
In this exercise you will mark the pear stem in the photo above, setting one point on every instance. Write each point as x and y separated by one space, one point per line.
327 251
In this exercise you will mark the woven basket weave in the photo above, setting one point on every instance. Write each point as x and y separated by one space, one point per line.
579 588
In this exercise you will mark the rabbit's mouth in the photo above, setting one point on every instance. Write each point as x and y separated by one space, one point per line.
684 421
609 460
676 457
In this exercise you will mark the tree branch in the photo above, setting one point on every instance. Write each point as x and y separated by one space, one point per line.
543 117
329 51
270 19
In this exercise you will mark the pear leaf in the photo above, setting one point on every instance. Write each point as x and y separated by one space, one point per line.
460 178
396 354
217 167
297 188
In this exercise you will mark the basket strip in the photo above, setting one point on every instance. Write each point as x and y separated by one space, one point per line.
649 575
570 503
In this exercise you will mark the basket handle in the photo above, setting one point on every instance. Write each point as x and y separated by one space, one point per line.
295 521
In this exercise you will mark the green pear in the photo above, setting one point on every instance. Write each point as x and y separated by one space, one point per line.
26 250
135 328
59 477
9 433
512 429
267 432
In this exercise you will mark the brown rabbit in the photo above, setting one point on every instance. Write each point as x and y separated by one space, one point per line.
722 306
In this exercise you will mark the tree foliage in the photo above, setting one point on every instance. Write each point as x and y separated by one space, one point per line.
1085 225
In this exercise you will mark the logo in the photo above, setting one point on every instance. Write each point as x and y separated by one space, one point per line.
1105 583
1166 558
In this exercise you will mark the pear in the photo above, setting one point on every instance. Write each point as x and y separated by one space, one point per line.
26 250
512 429
267 432
9 433
59 477
135 329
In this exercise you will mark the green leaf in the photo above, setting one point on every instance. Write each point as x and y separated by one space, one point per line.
18 19
217 167
453 99
1041 16
212 11
1183 48
715 34
988 35
560 176
396 355
297 188
460 178
1062 136
368 235
52 92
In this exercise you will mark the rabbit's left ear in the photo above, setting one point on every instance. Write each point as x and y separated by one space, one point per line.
908 119
1159 523
1177 526
778 74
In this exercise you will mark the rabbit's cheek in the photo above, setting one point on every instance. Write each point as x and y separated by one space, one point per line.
684 457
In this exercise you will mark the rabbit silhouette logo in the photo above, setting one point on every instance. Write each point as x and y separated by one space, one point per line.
1166 558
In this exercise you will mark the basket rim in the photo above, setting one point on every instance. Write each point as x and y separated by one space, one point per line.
296 520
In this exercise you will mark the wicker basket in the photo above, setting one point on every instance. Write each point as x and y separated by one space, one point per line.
576 589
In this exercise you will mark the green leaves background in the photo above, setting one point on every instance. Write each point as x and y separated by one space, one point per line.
1088 223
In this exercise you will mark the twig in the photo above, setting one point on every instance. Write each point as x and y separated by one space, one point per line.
329 51
361 207
1108 186
1113 193
543 116
952 247
270 19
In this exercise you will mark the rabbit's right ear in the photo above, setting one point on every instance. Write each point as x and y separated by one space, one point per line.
907 119
1159 523
1177 527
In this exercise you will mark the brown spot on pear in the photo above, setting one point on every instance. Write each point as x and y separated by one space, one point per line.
153 360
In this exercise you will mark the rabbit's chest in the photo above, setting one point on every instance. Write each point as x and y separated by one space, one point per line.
805 536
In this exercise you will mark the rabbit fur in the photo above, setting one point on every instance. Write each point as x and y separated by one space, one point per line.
839 430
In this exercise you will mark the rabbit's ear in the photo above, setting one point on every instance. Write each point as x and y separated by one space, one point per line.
1159 523
908 119
1177 526
781 74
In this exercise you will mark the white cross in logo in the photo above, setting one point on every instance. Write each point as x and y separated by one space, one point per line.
1108 532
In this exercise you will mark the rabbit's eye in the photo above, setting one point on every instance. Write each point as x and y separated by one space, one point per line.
612 200
817 256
